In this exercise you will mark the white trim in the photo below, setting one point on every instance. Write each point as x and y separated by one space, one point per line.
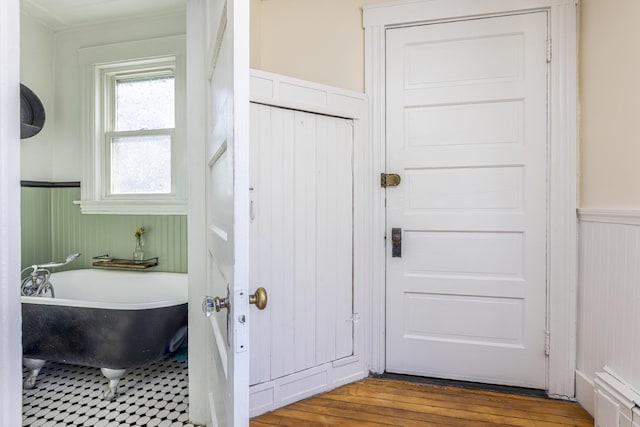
615 401
200 401
610 216
95 60
585 392
130 207
10 308
287 92
284 391
562 235
404 12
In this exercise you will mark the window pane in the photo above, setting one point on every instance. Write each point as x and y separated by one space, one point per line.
141 164
145 104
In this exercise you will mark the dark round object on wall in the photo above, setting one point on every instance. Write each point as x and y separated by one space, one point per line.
31 113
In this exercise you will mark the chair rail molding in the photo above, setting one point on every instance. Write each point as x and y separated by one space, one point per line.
562 154
610 216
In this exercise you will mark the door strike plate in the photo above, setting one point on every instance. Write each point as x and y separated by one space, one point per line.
389 180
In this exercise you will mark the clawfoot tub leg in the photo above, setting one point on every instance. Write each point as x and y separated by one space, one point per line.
34 365
114 376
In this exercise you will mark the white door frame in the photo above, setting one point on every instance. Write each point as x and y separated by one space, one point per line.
196 131
562 158
10 308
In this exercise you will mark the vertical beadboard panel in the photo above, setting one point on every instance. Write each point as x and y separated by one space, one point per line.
301 240
609 295
260 338
344 335
53 227
35 217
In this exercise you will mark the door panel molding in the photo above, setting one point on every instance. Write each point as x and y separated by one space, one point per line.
218 98
561 246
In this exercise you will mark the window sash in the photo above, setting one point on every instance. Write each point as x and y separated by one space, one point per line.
107 178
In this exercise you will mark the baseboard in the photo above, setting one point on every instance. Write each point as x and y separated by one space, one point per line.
585 392
271 395
616 402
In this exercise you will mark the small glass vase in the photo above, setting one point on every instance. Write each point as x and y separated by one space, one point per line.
138 252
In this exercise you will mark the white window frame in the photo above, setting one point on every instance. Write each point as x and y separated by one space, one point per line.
110 75
101 64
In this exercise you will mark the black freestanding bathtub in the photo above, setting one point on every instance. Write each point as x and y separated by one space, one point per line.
108 319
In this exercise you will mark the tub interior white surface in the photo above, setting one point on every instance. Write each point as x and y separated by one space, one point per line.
116 289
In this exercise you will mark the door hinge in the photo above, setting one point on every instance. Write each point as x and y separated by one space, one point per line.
547 343
389 180
549 50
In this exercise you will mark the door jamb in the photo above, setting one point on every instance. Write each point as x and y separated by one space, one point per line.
562 163
10 314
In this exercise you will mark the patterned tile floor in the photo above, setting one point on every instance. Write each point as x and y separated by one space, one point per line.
70 395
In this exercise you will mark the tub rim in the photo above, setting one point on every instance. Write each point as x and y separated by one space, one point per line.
67 302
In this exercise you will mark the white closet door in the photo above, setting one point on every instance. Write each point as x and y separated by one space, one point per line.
467 131
301 240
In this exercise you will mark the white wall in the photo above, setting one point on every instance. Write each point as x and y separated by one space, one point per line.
67 149
37 46
49 66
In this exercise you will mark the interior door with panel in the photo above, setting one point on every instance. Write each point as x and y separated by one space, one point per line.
226 159
301 232
467 133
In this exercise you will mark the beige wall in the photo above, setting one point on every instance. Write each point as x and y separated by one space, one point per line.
610 103
323 41
317 40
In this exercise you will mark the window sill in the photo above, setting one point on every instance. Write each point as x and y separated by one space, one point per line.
127 207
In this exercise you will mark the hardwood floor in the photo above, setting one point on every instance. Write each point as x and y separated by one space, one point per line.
378 402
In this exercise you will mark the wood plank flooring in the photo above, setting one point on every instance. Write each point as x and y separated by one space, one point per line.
387 402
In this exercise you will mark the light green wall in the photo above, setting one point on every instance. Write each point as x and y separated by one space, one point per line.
93 235
35 221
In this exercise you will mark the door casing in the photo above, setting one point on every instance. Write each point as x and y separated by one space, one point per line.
562 157
10 308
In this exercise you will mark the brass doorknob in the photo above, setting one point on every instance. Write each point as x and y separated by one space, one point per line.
259 298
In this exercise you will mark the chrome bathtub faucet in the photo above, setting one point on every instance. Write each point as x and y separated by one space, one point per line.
37 284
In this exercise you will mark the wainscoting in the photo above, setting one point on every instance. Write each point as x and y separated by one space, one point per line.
53 227
608 303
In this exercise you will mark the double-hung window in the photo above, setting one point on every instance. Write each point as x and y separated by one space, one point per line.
135 153
140 130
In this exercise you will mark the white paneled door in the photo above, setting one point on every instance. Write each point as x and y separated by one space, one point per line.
467 133
301 241
226 206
